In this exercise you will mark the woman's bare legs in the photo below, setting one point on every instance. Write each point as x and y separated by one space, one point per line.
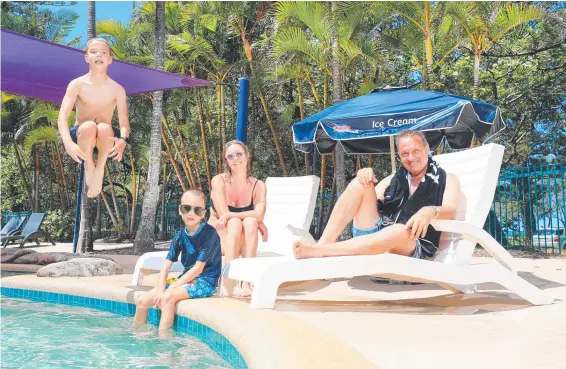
231 241
250 225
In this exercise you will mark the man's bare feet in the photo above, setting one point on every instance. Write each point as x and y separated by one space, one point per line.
303 250
96 182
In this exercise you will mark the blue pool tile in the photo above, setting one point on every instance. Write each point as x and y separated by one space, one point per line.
209 336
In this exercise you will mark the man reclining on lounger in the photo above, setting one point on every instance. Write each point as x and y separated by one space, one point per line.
406 202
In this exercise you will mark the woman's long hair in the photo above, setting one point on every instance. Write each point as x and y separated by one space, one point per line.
227 170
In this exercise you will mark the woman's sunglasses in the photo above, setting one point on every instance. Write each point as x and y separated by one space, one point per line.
238 155
186 209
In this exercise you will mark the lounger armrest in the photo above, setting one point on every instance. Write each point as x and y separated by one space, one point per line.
477 235
298 232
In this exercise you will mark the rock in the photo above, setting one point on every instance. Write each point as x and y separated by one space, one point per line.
81 267
9 255
45 258
30 258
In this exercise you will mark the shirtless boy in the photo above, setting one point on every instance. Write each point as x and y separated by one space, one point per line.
95 96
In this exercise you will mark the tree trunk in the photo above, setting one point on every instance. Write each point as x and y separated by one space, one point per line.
337 97
24 176
320 220
62 171
222 118
302 116
145 235
203 138
177 149
36 181
134 197
85 241
91 31
274 134
428 45
476 74
109 209
98 221
161 234
173 161
186 157
121 226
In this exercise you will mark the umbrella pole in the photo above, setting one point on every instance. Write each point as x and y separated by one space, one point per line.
392 150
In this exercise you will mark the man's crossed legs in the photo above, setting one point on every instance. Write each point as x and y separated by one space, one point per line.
89 135
359 203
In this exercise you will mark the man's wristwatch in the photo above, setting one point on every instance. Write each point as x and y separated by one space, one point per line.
126 140
437 211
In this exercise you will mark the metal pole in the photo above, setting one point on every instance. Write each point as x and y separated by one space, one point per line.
392 149
78 208
242 118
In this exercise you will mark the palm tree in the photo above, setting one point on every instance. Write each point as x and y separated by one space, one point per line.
145 236
487 22
91 32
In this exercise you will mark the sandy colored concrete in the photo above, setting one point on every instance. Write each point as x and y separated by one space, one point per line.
391 326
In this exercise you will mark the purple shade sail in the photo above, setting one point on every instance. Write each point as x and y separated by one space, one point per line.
41 69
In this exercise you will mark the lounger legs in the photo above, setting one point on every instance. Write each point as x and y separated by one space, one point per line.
264 295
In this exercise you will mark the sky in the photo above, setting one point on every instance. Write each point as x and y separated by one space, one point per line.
118 10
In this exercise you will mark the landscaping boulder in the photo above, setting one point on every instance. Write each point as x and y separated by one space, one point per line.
45 258
30 258
81 267
11 254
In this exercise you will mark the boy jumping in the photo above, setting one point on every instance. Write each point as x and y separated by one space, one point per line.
199 247
95 96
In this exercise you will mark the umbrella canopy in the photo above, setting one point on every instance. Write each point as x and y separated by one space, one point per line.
42 69
363 125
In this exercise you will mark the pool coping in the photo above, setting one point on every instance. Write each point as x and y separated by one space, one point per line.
263 339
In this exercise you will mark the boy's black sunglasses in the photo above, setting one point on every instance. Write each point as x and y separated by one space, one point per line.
185 209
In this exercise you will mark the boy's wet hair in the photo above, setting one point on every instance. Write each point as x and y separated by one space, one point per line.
99 39
196 192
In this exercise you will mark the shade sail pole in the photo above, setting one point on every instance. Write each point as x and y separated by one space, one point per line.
392 150
242 118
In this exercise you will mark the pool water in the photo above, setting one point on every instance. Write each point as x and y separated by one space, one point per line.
46 335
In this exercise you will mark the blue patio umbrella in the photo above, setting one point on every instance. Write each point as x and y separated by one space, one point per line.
365 124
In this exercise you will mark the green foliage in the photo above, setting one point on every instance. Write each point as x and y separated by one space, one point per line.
60 225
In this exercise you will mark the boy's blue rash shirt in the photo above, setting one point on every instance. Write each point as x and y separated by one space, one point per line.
202 246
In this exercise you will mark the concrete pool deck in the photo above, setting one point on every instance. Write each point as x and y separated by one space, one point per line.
360 324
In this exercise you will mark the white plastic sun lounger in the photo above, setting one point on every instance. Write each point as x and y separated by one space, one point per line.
290 206
477 170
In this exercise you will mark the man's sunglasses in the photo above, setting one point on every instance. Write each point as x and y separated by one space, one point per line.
238 155
186 209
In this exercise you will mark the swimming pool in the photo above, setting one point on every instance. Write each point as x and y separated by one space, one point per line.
50 335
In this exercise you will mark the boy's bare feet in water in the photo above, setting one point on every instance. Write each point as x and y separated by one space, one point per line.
303 250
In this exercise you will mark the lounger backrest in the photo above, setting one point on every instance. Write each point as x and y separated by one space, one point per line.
12 224
290 201
33 223
478 172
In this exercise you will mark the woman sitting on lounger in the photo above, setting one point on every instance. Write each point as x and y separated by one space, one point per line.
238 207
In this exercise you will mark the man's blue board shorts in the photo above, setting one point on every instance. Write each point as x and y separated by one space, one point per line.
197 288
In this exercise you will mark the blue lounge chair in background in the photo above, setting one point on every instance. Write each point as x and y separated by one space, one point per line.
30 232
12 226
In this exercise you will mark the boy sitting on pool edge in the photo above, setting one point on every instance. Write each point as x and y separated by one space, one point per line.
198 245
